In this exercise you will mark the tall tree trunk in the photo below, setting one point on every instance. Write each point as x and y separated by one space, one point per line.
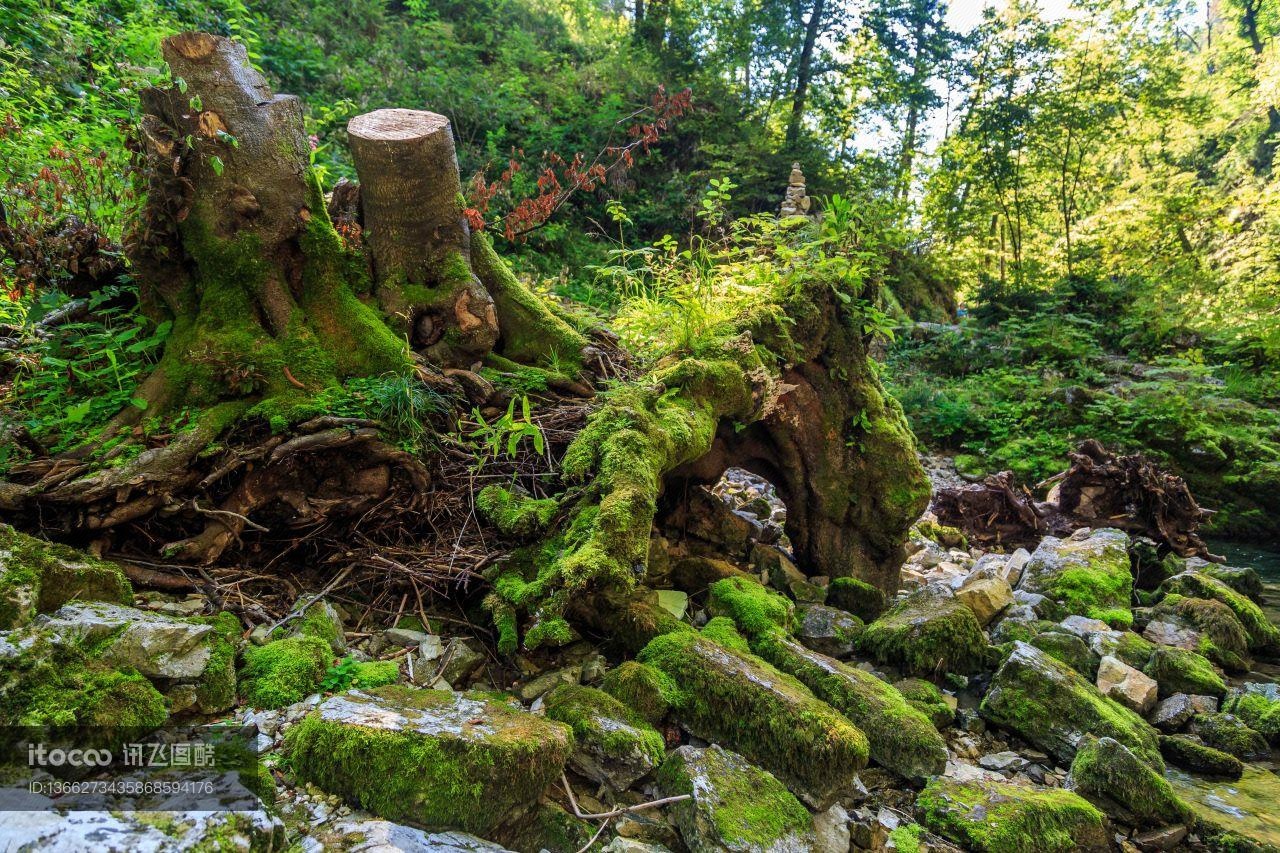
418 235
918 70
804 72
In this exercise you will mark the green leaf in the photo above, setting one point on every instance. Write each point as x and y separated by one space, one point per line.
76 412
215 163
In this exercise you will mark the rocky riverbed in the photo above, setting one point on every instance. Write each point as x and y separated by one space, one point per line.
1087 694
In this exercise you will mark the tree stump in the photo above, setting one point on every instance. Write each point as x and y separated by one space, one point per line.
419 238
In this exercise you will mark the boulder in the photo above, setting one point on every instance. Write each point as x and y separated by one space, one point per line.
1172 713
1171 634
1262 635
438 759
926 698
986 597
140 832
319 618
1245 581
1259 706
1001 817
928 633
613 745
1085 575
828 630
1217 631
1111 777
1015 566
1121 682
642 688
771 562
857 597
39 577
381 836
724 693
733 805
284 671
1053 707
1181 671
1069 649
1191 753
1229 733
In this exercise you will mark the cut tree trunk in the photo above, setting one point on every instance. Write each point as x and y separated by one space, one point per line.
418 235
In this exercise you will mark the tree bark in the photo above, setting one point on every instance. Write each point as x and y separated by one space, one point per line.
804 72
418 235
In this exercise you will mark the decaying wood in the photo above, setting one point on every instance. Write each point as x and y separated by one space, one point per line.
1099 489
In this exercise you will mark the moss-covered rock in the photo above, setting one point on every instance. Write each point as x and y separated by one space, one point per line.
1191 753
752 606
828 630
1243 580
432 757
1084 575
901 738
857 597
733 805
1181 671
39 577
997 817
545 826
1129 647
613 744
1111 777
317 618
1223 638
284 671
928 633
926 698
1069 649
1259 706
1230 734
644 689
1053 707
1264 637
726 695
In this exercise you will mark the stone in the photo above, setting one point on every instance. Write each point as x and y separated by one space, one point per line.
156 645
926 698
994 817
548 681
318 618
807 593
613 745
1111 777
1262 635
427 756
1053 707
1191 753
39 577
1182 671
43 828
1084 575
832 830
461 659
1169 634
381 836
928 633
1228 733
734 806
1007 761
404 637
771 561
1121 682
1014 566
1172 713
1069 649
857 597
1161 838
630 845
986 597
828 630
1259 706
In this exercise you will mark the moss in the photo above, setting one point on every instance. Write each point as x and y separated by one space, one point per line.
899 737
545 827
723 631
857 597
1259 710
1182 671
39 577
1133 649
1263 636
216 690
1105 772
732 805
1069 649
1190 754
947 537
605 726
517 516
375 673
1096 594
1086 577
769 717
1051 705
439 769
1223 639
926 635
906 838
284 671
996 817
646 690
926 698
753 607
318 620
1231 735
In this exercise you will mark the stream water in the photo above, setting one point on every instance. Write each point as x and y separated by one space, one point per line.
1250 806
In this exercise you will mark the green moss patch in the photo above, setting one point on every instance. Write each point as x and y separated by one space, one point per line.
857 597
515 515
997 817
613 744
1230 734
1182 671
435 758
1084 577
284 671
39 577
644 689
1107 774
926 698
1259 706
1263 636
753 607
1190 753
